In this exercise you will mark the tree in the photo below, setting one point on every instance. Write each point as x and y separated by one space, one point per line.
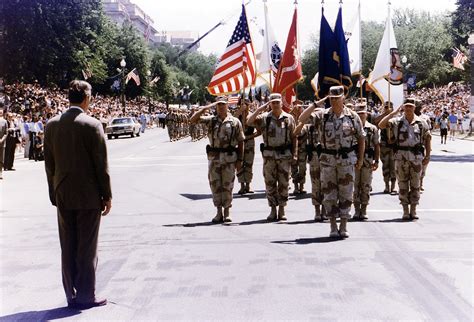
309 64
425 40
136 54
462 21
51 41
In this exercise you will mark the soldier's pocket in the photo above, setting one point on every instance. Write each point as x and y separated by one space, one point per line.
347 129
329 131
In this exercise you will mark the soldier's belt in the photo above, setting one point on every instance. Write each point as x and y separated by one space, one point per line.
279 149
417 149
228 150
343 152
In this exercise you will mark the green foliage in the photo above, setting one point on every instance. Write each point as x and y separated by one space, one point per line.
49 40
462 21
136 54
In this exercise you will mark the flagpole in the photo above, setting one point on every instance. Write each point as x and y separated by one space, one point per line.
360 52
270 75
388 39
299 54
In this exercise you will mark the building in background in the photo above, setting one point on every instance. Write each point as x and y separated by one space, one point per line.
178 38
121 11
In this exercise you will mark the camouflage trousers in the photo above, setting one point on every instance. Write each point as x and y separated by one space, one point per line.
423 171
170 131
363 183
388 164
245 175
408 176
298 170
337 187
221 177
315 174
276 173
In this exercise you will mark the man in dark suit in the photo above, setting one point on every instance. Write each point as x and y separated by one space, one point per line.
3 138
79 186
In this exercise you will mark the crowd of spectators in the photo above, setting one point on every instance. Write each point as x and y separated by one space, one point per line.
28 107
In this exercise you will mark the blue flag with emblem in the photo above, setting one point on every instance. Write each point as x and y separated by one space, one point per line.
343 53
328 74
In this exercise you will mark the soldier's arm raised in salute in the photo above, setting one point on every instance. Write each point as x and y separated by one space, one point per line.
195 118
384 122
252 117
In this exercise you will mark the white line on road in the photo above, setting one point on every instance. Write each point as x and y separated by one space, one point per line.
423 210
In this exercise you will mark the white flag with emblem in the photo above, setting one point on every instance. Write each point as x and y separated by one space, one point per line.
354 43
386 79
271 53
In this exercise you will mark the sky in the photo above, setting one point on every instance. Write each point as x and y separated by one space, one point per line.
202 15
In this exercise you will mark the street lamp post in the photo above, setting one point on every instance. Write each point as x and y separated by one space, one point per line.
123 64
148 74
470 41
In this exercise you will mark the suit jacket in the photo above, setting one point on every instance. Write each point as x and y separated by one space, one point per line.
3 132
76 164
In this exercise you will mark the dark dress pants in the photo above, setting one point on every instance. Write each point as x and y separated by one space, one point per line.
78 235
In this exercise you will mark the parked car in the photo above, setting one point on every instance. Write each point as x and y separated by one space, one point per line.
122 126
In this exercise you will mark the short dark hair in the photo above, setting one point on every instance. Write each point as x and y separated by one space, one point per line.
78 90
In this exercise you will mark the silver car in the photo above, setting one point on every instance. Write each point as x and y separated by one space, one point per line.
122 126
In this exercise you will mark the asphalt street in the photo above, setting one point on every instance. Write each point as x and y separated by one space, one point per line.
161 259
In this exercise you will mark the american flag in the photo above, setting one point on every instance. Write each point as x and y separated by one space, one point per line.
236 68
133 75
233 99
458 59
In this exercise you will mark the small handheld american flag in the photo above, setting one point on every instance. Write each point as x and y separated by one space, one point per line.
133 75
236 68
458 58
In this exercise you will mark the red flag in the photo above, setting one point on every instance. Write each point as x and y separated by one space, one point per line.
288 97
289 71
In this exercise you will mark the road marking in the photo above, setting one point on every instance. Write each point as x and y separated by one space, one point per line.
152 147
422 210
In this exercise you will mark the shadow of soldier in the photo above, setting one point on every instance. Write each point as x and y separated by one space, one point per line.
44 315
306 241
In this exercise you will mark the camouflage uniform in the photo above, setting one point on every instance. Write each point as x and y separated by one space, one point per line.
298 170
408 161
170 125
312 130
427 119
222 134
363 177
337 168
388 163
277 133
245 175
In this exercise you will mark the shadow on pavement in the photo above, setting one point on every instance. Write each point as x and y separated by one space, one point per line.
301 222
451 158
399 220
45 315
251 196
306 241
197 196
195 224
254 222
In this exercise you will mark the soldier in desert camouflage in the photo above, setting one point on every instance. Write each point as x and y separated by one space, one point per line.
363 176
342 148
278 150
412 151
224 154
